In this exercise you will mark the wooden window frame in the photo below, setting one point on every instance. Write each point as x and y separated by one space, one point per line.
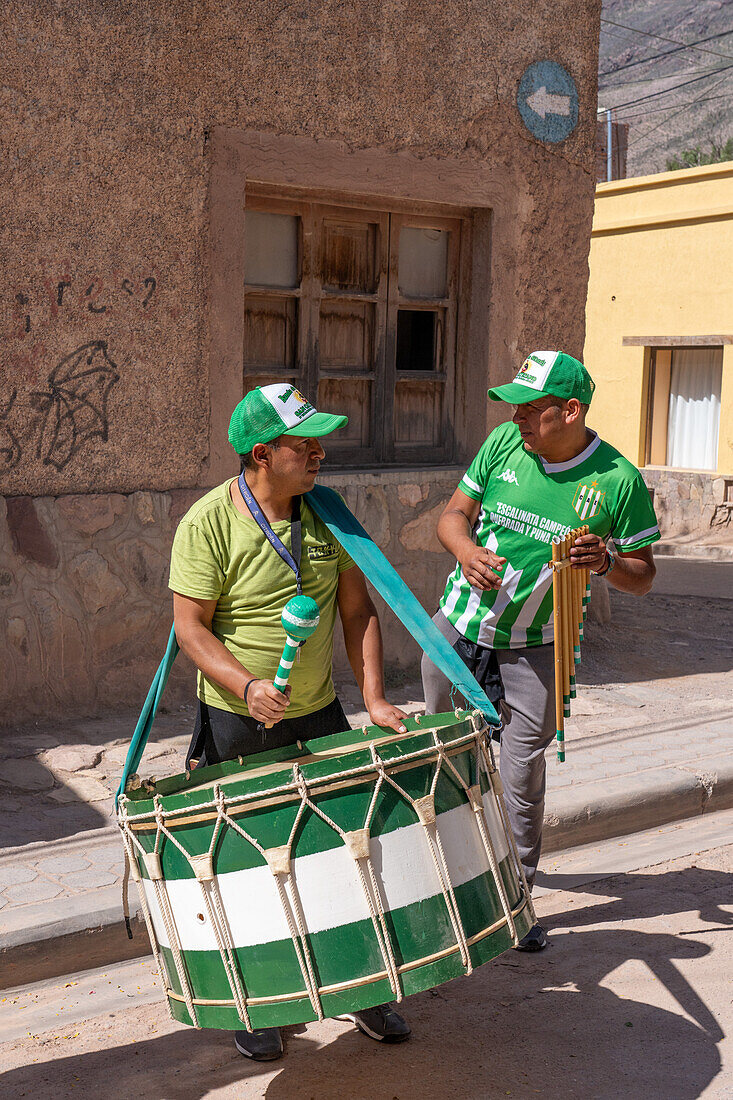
383 375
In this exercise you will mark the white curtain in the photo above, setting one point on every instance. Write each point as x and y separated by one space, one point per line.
694 408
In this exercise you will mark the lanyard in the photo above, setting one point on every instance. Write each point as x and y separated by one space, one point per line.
293 560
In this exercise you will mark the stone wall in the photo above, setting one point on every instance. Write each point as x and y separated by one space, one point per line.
688 505
84 605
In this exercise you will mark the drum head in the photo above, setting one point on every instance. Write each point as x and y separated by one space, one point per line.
318 758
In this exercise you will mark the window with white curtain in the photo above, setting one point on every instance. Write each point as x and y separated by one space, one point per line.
685 407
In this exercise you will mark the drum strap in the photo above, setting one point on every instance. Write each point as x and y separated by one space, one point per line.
344 525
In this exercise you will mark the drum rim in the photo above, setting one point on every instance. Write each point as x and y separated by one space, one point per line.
239 804
188 792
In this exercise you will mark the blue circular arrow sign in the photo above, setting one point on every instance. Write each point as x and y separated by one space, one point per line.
548 101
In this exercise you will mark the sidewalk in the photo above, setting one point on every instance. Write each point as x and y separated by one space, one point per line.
650 741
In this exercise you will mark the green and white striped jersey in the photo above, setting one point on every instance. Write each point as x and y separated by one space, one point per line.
525 502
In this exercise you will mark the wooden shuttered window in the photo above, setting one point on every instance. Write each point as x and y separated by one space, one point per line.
358 308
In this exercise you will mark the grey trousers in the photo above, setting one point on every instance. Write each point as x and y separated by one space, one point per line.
528 713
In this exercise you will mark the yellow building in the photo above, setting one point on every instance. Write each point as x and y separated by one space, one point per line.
659 337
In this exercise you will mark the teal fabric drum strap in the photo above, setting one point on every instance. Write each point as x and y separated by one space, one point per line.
389 584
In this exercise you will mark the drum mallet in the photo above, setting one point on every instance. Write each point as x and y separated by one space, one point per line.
300 618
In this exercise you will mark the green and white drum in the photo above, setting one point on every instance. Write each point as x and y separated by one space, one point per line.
292 886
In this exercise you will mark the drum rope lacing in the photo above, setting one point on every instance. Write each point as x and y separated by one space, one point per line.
473 794
498 789
279 863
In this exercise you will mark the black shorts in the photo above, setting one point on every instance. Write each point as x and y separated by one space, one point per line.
221 735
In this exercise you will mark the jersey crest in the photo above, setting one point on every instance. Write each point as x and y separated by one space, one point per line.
588 500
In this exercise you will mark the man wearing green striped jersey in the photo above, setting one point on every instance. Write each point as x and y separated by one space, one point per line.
534 478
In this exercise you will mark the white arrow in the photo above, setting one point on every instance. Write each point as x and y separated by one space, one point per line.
544 103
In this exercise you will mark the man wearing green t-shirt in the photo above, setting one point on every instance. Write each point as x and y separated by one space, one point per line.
537 477
239 554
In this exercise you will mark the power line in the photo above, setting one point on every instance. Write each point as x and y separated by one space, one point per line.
664 91
674 41
663 121
653 79
669 107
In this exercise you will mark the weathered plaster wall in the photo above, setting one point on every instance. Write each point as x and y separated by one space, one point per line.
104 293
109 378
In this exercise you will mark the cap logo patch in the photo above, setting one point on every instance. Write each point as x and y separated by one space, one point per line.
288 403
535 369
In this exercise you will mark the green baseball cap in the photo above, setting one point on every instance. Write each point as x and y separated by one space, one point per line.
269 411
547 374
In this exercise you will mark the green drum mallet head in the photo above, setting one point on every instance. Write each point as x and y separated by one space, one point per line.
300 617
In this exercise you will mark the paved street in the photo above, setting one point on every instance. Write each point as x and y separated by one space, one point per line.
632 999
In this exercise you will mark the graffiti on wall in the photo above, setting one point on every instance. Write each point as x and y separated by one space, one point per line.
50 422
55 298
68 411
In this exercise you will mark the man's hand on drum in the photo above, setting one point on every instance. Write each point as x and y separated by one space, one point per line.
267 703
588 552
383 713
481 568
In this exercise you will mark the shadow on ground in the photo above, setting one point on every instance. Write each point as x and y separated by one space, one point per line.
40 808
522 1026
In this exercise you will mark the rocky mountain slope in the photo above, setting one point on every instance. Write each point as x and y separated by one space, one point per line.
636 65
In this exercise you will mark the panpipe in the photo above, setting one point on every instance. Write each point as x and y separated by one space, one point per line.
570 599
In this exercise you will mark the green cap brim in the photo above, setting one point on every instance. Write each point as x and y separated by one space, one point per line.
318 424
516 394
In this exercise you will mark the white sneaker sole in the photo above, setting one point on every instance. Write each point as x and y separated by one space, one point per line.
362 1026
262 1058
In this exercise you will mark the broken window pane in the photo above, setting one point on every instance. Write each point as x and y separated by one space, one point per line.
270 249
423 270
419 333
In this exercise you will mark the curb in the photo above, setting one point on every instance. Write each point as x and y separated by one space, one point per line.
627 804
695 551
65 939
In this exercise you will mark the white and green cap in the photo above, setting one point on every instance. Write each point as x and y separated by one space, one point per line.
547 374
269 411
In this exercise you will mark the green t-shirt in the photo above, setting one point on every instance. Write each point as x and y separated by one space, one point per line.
219 554
525 502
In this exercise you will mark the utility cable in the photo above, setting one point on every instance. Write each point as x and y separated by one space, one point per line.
656 79
663 121
674 41
664 91
669 107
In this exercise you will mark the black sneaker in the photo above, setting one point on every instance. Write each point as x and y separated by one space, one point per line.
263 1045
382 1023
535 940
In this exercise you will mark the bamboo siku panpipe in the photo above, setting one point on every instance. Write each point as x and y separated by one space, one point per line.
570 599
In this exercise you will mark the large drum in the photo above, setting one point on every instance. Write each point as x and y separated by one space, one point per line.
357 869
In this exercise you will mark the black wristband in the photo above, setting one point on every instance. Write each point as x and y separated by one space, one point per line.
247 686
